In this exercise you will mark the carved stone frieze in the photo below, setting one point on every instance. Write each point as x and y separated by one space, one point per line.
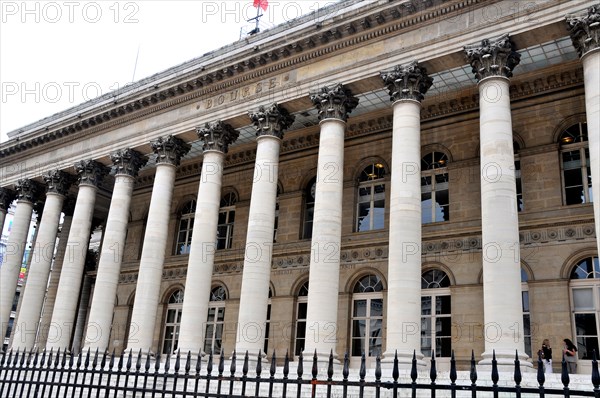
58 181
28 190
90 172
169 149
127 162
334 102
407 82
217 136
493 57
585 30
271 120
6 198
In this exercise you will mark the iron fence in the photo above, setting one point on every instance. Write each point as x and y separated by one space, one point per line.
59 374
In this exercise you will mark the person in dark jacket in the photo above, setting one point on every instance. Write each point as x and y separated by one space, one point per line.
546 353
570 353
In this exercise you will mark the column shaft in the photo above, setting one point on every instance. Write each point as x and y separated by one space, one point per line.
404 263
9 272
321 319
591 79
97 334
503 318
37 275
259 247
143 318
67 296
202 254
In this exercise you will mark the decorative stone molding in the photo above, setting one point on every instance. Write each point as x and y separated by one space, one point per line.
217 136
90 172
28 190
493 57
169 149
6 198
585 30
407 82
271 120
58 181
127 162
334 102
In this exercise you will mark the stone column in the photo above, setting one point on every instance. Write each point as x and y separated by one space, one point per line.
585 34
216 138
270 124
407 85
58 183
334 104
127 163
6 198
90 174
493 61
27 194
169 151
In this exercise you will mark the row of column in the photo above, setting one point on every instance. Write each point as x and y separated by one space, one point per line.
493 61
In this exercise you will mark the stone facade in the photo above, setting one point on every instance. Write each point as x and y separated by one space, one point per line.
545 95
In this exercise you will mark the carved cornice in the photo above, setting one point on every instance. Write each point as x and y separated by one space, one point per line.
127 162
271 120
363 29
217 136
169 150
28 190
58 181
493 57
585 30
90 172
407 82
6 198
334 102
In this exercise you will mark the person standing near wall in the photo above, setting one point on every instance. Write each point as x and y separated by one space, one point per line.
570 355
546 353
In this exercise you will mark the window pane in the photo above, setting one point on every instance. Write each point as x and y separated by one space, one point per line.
357 347
358 327
585 324
302 308
363 217
360 308
376 307
525 301
583 299
442 305
443 347
426 305
443 327
586 347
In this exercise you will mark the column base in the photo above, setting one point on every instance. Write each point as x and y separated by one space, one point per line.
505 361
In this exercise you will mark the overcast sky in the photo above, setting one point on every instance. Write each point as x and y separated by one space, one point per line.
57 54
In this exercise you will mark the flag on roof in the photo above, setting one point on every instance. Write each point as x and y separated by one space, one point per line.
262 4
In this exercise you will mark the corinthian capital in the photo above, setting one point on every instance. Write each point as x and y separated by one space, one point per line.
90 172
585 30
334 102
271 120
58 181
127 161
217 136
28 190
409 82
6 198
169 149
493 57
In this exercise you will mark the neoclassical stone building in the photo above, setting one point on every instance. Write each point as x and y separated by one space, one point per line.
393 177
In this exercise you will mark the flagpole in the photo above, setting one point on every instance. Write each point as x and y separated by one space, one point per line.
257 18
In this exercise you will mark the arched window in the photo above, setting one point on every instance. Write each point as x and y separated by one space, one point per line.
519 185
309 208
367 316
301 309
575 164
186 226
435 201
213 334
226 221
172 323
526 313
370 208
585 296
436 318
268 324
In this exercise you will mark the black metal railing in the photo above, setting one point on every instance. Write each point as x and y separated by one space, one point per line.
59 374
